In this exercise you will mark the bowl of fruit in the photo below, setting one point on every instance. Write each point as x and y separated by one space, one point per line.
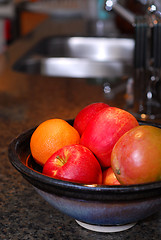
102 168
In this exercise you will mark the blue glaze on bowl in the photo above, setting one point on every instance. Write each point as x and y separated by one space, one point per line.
102 213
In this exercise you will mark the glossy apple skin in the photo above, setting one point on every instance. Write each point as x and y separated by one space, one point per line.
136 157
83 117
104 130
75 163
109 177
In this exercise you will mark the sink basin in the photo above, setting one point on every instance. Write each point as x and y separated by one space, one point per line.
79 57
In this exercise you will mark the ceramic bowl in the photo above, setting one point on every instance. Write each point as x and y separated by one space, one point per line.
96 207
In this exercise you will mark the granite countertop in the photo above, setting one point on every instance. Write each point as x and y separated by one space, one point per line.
25 101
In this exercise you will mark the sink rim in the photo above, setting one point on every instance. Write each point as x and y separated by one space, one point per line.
118 66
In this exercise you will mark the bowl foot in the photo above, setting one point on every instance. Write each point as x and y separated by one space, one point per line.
105 229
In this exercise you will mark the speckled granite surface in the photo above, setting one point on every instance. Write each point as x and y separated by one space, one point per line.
25 101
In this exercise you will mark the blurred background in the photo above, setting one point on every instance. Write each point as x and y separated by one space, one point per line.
139 20
19 17
135 19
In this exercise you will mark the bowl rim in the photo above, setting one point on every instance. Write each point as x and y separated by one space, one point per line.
34 176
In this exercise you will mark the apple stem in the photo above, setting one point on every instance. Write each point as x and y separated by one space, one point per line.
62 161
118 172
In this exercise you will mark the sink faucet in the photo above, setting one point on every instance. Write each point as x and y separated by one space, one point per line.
147 57
152 6
119 9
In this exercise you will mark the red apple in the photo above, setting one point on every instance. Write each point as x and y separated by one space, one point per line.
136 157
109 178
86 114
104 130
74 163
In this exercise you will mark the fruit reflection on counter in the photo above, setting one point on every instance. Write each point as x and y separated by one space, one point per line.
105 145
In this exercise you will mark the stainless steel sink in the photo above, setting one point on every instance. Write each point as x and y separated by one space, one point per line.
79 57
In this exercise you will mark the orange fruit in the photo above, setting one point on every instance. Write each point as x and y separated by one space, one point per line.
109 177
50 136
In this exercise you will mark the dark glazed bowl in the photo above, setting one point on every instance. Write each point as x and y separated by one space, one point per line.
96 207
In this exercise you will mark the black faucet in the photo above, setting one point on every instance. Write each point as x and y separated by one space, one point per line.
147 57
